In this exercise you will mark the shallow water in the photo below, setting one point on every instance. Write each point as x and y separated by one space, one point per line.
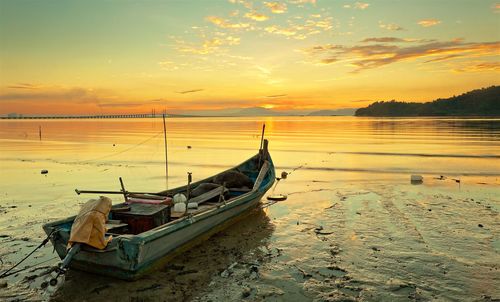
353 227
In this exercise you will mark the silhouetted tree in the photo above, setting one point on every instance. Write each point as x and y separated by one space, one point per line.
479 102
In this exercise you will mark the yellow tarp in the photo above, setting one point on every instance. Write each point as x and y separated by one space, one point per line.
89 226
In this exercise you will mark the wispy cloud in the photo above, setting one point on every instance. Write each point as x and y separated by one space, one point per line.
428 22
25 86
392 40
479 67
301 29
357 5
189 91
303 2
256 16
390 26
361 5
376 55
496 7
54 95
276 7
274 29
276 95
265 73
168 65
245 3
208 46
222 23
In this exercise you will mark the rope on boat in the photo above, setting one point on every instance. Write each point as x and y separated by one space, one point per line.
31 267
44 242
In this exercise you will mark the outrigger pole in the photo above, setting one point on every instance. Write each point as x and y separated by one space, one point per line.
114 192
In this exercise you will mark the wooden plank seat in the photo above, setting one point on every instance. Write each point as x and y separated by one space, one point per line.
199 200
208 195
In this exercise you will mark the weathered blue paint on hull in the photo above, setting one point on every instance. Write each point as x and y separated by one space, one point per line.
130 256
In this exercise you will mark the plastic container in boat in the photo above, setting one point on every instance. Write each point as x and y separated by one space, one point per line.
179 207
192 205
180 198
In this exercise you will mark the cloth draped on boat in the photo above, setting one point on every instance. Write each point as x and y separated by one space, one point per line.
89 226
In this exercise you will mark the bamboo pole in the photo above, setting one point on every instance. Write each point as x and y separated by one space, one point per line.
123 190
166 153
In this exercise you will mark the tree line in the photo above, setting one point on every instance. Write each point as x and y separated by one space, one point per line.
479 102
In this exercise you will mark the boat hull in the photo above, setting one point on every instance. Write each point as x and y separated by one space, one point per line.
131 256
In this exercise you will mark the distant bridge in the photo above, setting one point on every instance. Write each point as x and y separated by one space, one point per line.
100 116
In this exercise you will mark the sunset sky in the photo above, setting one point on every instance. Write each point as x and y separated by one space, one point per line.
121 56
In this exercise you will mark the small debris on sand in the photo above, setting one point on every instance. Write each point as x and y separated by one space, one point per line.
415 177
44 171
3 284
246 292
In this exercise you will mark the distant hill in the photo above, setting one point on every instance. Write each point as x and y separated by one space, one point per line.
257 111
479 102
260 111
345 111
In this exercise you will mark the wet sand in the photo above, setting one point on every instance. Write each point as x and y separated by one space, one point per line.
340 235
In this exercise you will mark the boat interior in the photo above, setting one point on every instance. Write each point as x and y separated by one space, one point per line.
143 212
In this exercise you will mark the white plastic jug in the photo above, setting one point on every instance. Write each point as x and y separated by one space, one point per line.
180 198
179 207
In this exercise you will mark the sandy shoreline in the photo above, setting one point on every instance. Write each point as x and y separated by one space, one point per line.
382 242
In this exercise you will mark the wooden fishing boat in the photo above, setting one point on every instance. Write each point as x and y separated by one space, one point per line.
152 233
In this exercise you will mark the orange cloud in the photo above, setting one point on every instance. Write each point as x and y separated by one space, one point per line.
428 22
480 67
377 55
